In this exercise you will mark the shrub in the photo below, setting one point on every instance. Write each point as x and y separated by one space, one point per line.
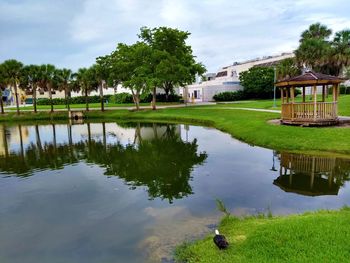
230 96
121 98
343 89
73 100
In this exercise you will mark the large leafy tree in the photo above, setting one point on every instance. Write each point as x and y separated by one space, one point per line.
12 70
258 82
130 64
173 62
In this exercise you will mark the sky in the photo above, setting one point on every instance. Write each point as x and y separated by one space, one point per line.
72 33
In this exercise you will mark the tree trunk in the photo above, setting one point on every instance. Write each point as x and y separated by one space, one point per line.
67 97
101 96
136 99
86 100
50 96
16 95
1 103
154 98
34 98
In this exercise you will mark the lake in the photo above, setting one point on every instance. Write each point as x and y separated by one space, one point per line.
130 192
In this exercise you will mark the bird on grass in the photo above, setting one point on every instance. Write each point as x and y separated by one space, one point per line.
220 240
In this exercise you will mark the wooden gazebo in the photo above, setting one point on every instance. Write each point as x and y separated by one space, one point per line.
315 112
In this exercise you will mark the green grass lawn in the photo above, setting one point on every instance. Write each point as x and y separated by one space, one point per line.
344 104
312 237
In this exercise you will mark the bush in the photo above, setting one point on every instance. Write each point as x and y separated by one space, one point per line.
230 96
121 98
73 100
343 89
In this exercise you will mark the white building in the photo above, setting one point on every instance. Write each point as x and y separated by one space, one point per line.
227 78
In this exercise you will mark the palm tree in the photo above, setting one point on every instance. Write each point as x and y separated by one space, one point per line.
47 80
316 31
64 78
87 82
12 70
102 75
341 51
31 78
2 88
287 68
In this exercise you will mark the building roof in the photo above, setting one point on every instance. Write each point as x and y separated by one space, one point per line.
309 78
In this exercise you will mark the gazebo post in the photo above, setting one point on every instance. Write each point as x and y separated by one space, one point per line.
282 98
304 94
314 93
323 93
292 99
287 95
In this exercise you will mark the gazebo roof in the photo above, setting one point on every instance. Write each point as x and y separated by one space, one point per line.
309 78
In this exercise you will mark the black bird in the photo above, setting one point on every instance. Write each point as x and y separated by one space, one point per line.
220 240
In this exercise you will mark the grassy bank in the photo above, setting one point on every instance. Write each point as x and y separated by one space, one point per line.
248 126
312 237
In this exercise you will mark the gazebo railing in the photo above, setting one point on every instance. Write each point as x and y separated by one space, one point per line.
308 111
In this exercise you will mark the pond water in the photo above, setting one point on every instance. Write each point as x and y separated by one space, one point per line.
108 192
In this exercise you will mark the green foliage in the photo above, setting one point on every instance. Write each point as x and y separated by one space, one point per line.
287 68
258 82
173 62
120 98
343 89
316 51
230 96
73 100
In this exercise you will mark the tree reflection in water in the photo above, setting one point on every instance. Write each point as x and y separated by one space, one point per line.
312 175
162 163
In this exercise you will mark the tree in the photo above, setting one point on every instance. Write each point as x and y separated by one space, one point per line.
31 78
85 78
316 31
64 78
130 66
2 88
287 68
174 63
314 49
340 56
12 70
102 73
258 82
48 80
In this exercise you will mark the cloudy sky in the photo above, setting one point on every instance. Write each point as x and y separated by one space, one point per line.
72 33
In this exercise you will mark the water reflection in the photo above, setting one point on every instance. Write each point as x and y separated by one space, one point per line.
312 175
155 156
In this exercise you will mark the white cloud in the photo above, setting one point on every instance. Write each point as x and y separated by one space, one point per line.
72 33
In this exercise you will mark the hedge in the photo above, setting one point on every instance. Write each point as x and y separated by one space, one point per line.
117 98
